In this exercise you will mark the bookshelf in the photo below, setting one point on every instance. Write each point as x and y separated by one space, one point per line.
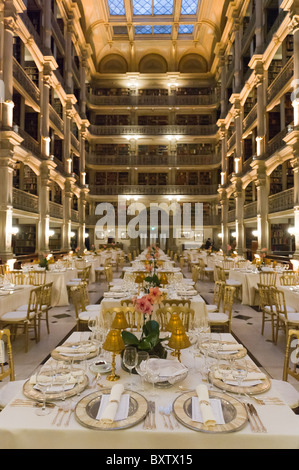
145 150
280 239
113 178
25 240
152 120
153 179
30 181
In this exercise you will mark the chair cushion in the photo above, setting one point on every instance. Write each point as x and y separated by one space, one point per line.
85 316
211 308
292 317
100 268
8 391
232 282
93 307
16 315
217 317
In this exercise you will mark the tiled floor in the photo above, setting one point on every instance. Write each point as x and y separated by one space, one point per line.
246 326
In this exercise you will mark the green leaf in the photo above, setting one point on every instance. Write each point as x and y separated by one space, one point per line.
129 338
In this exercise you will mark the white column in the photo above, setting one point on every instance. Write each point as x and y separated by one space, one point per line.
44 209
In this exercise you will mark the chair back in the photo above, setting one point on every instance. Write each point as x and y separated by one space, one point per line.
268 278
37 278
218 293
266 298
3 269
278 300
46 295
195 273
109 273
228 299
227 265
243 263
78 300
6 368
34 302
84 274
220 274
15 277
84 292
164 315
176 303
289 278
182 262
291 358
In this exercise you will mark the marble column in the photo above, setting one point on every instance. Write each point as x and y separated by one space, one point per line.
45 120
262 192
7 73
224 218
44 208
239 204
294 26
238 61
67 214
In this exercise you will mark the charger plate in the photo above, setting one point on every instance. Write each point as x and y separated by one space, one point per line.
58 356
234 413
255 389
30 392
238 354
87 409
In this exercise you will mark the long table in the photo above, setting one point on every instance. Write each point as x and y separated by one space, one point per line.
14 299
21 428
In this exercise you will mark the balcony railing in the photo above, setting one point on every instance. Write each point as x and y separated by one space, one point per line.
75 142
249 31
29 143
56 119
276 143
152 100
56 210
148 190
231 216
160 160
153 130
250 118
74 215
27 22
25 81
279 20
57 32
250 210
281 201
231 141
282 79
25 201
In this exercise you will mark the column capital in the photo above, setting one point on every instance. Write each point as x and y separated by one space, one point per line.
294 23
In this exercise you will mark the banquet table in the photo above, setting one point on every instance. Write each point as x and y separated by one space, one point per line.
59 289
291 295
11 300
21 428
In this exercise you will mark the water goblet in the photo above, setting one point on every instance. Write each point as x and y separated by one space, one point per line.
130 361
44 381
62 376
92 325
239 372
142 357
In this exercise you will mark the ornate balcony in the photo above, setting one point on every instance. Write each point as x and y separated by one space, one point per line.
154 160
282 201
208 130
56 210
250 118
25 201
280 82
147 190
250 210
231 217
152 100
25 82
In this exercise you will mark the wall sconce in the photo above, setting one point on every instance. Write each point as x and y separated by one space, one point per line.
51 233
14 230
292 231
72 234
255 233
234 234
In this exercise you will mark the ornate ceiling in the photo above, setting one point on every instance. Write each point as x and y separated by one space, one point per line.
153 35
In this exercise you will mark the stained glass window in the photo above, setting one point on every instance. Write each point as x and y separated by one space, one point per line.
186 29
143 29
189 7
116 7
147 7
165 29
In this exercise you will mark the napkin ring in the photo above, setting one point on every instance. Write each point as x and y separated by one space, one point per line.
113 401
204 402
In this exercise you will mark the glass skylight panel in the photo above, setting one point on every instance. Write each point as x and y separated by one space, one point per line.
163 7
143 29
116 7
186 29
165 29
142 7
189 7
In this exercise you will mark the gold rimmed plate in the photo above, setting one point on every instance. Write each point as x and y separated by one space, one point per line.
30 391
263 386
226 354
234 413
87 409
74 351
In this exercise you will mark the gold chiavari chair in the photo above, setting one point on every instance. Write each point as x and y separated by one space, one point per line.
3 269
26 319
223 319
268 278
15 277
286 317
267 308
84 274
85 295
7 369
291 359
37 278
217 297
241 263
289 278
182 262
45 306
109 275
195 273
135 319
82 315
129 256
164 314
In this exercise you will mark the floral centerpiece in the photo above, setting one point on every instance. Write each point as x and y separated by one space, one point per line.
45 260
152 257
149 340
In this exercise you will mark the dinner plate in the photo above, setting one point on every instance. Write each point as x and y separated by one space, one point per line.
103 368
238 354
234 413
87 409
77 356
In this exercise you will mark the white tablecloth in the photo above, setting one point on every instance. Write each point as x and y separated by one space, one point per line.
21 428
59 289
13 300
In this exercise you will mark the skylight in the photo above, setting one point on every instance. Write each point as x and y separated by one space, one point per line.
189 7
186 29
166 29
143 29
152 7
158 29
116 7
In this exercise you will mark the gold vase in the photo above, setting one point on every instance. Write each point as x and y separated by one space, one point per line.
115 344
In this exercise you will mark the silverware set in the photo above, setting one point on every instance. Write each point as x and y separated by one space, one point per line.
30 403
62 412
254 419
150 419
166 413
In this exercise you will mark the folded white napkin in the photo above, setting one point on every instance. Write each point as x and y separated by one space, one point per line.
107 413
76 349
250 376
231 347
208 417
166 368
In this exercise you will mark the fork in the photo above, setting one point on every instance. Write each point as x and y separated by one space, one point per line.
71 410
255 413
65 411
60 409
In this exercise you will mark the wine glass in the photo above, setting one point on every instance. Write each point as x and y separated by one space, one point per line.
44 381
92 325
130 361
239 372
142 357
62 375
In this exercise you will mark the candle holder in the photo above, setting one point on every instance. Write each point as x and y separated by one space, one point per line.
115 344
163 279
139 280
179 340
